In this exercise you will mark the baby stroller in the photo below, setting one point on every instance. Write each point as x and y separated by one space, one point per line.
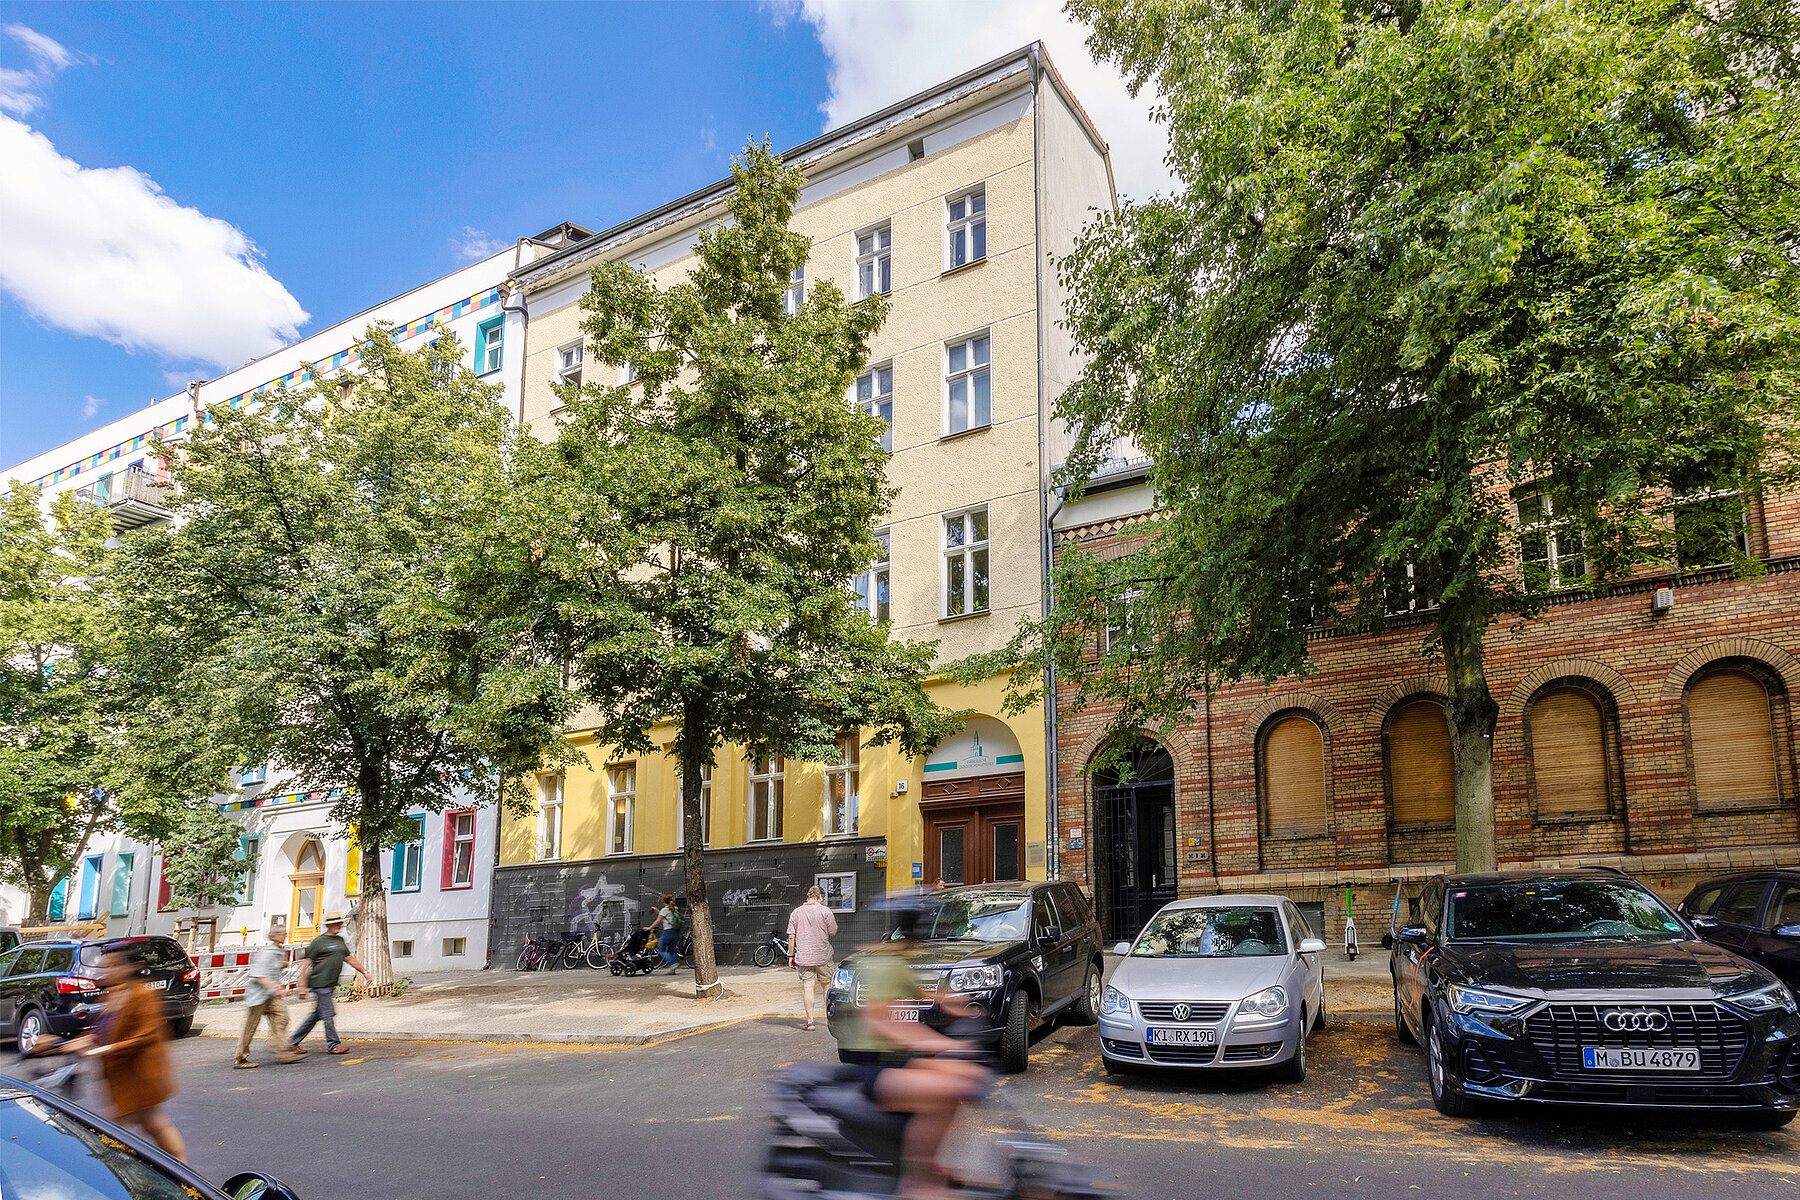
638 956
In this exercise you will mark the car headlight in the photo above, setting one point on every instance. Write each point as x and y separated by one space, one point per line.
1482 1000
844 980
974 979
1112 1000
1774 998
1270 1002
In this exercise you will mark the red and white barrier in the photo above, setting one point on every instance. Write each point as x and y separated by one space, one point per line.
225 974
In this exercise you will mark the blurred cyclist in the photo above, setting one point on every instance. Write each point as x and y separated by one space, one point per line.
933 1086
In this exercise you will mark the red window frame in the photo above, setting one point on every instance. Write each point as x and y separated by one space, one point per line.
448 881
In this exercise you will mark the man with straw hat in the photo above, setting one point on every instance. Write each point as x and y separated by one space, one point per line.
320 970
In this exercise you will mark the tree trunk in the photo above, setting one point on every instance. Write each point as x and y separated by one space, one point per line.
39 892
1473 715
373 949
693 860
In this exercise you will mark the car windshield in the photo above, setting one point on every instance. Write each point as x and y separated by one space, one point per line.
44 1153
980 916
1211 933
1572 911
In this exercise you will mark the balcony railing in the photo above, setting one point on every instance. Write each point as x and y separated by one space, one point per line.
134 498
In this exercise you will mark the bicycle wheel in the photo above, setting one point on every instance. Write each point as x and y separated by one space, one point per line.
765 955
524 963
599 955
573 955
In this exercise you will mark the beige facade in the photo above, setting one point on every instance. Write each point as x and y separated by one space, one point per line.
1010 132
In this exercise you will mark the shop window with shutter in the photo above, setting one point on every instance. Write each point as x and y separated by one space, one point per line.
1570 753
1292 771
1421 779
1731 741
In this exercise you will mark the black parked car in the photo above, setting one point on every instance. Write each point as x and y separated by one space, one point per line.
1583 987
51 1146
1022 953
1752 913
49 988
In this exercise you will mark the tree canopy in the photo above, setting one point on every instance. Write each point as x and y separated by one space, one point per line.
1438 278
703 521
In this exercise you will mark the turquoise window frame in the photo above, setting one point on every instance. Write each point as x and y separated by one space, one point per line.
249 852
121 884
415 849
59 898
491 330
91 867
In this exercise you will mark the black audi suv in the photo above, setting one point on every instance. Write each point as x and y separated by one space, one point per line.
1582 987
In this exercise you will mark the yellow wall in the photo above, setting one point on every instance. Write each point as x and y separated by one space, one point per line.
880 813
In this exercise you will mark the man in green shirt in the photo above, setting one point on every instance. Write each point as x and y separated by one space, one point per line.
324 965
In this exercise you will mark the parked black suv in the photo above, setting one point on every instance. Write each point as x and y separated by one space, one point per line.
1022 953
50 988
1582 987
1752 913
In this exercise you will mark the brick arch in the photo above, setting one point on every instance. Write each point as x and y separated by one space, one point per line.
1403 689
1561 668
1327 713
1780 661
1177 743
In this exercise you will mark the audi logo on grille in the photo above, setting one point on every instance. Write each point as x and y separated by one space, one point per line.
1182 1012
1621 1020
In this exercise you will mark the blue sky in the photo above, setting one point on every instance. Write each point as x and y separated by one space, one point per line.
355 151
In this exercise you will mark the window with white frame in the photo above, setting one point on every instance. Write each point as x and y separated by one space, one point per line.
1551 549
488 338
403 949
840 787
621 802
966 228
249 776
568 364
765 799
461 828
966 562
872 585
968 391
795 296
409 858
550 816
456 947
705 808
874 262
1710 529
875 396
1124 615
1403 590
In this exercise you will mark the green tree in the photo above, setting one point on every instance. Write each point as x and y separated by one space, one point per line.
704 521
1423 257
202 858
348 597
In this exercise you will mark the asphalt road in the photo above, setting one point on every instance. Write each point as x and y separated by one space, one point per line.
684 1119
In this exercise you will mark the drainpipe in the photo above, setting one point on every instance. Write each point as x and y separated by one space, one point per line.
1052 769
515 303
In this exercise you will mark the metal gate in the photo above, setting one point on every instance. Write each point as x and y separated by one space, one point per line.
1134 808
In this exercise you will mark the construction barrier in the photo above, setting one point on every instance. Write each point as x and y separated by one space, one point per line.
225 974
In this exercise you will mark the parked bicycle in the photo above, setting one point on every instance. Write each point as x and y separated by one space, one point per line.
594 948
776 947
533 954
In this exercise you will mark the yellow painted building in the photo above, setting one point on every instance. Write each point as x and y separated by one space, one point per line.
952 202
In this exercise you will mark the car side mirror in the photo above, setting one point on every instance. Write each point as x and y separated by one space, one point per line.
1387 941
1050 933
1704 924
1122 948
254 1185
1414 935
1788 931
1312 946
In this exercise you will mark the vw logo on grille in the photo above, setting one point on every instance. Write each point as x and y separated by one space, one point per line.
1182 1012
1621 1020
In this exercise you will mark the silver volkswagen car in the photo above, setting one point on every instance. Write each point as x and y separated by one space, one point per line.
1228 982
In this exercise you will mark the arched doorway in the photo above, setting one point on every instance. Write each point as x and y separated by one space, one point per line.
308 879
973 804
1134 817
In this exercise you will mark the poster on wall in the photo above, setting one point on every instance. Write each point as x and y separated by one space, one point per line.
840 891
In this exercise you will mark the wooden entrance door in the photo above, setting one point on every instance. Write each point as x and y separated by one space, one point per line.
974 829
309 892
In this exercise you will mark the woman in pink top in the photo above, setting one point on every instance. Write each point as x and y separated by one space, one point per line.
810 930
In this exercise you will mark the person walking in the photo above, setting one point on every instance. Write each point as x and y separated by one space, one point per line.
131 1043
262 1001
665 942
810 930
324 965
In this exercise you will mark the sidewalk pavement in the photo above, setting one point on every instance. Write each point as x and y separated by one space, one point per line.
596 1008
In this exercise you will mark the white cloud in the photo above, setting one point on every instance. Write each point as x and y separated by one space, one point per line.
472 244
91 405
20 88
709 140
884 52
104 253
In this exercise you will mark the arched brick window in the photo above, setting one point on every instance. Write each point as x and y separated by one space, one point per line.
1572 750
1731 739
1421 777
1291 772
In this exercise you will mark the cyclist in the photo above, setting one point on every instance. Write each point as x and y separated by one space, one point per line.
934 1084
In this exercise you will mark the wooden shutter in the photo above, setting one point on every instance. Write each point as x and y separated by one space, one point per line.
1568 753
1294 777
1419 767
1733 741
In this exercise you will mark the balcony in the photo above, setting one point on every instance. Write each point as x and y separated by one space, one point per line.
133 498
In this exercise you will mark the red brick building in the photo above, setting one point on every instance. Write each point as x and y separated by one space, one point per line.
1649 726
